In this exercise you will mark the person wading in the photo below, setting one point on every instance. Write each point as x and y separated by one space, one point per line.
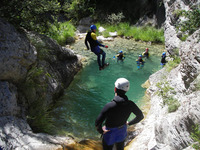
94 46
115 114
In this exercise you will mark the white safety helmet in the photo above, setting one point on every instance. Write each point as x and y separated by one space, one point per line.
122 84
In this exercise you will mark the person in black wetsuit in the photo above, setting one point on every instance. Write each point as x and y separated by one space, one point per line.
115 114
163 59
120 56
146 53
94 46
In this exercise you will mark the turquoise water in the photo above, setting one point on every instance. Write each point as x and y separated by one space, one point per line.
91 89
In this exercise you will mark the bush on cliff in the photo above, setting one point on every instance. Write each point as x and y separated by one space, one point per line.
61 32
191 22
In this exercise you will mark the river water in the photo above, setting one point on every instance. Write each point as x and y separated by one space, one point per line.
91 89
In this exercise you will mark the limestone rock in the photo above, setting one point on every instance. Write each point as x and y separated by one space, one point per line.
172 131
15 133
189 52
34 68
84 24
8 99
16 53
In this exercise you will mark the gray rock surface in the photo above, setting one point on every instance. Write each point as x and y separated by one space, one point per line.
33 68
84 24
8 98
16 134
161 129
17 54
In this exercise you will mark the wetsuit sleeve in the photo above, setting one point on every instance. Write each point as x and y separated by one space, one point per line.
137 112
94 37
102 116
86 43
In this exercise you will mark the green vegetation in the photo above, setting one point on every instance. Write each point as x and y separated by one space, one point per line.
146 33
167 92
196 137
115 19
38 15
39 117
61 31
35 90
173 63
32 15
191 24
42 16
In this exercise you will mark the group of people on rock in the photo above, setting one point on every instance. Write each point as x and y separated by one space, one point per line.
115 113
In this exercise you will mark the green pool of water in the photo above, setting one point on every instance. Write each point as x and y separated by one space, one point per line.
91 89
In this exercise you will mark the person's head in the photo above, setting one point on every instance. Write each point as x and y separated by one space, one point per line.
121 86
140 56
121 51
93 28
164 53
147 49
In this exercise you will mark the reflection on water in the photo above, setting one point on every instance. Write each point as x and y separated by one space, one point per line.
92 89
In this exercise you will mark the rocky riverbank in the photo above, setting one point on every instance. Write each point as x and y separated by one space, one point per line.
161 129
34 72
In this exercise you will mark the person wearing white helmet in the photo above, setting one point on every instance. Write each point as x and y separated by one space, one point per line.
94 46
115 114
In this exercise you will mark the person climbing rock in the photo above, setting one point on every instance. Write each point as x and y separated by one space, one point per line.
94 46
163 59
115 114
140 62
146 53
120 56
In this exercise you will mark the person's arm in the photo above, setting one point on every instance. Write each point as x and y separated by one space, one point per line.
100 119
94 37
86 43
138 113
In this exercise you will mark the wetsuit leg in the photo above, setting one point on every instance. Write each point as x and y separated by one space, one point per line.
120 145
97 51
103 56
98 60
107 147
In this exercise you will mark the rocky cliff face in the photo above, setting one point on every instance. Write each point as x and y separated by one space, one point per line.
161 129
32 68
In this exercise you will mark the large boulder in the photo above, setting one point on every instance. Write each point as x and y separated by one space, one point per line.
16 53
16 134
190 61
8 100
34 72
172 41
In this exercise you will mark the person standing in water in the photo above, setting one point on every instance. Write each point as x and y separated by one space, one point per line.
94 46
146 53
115 114
163 59
140 62
120 56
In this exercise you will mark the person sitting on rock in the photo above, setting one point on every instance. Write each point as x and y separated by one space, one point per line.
94 46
